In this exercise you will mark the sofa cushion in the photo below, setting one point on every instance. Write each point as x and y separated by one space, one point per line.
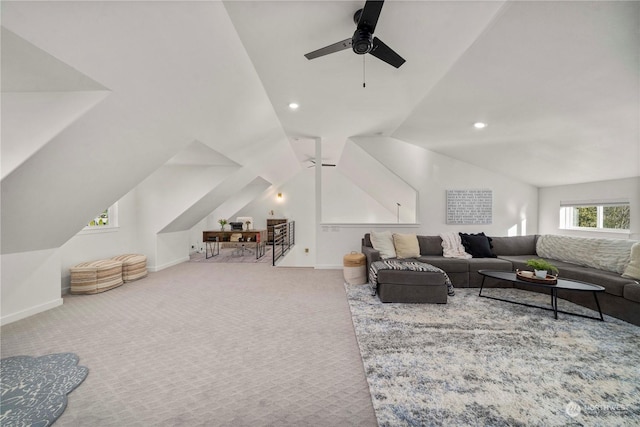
632 292
519 262
450 265
613 283
430 245
514 245
382 241
632 271
406 245
476 264
478 245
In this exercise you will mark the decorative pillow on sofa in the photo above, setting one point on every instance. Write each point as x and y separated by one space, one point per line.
406 245
383 241
632 271
478 245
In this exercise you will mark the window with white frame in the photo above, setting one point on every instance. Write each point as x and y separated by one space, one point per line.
609 215
106 219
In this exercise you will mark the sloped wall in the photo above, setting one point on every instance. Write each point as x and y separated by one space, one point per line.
30 283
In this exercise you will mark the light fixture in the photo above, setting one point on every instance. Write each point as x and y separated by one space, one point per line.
479 125
279 195
294 105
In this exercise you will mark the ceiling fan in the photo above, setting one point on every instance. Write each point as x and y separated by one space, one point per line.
363 40
323 164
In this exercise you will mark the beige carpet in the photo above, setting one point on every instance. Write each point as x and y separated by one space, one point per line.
204 344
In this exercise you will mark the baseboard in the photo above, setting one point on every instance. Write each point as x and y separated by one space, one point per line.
5 320
167 265
328 267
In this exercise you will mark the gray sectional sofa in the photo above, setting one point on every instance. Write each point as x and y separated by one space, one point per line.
621 298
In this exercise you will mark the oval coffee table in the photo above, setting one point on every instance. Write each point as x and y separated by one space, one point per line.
566 284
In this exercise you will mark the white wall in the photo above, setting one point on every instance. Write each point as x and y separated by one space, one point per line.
163 197
515 203
297 204
345 201
387 188
30 283
300 188
550 197
99 244
171 249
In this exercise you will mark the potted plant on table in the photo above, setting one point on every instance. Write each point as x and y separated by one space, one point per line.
541 267
222 223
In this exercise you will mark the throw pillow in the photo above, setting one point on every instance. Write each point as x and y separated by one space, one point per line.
383 241
632 271
406 245
478 245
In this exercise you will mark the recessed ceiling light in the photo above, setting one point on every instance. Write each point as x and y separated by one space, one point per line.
294 106
479 125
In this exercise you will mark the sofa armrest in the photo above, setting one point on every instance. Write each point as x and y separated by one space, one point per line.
372 256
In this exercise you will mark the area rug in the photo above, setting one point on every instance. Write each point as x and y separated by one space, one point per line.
233 255
477 361
34 389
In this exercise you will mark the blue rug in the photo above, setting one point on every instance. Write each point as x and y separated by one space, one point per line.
34 389
480 362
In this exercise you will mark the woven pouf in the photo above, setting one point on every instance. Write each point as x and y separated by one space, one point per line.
96 276
134 266
355 268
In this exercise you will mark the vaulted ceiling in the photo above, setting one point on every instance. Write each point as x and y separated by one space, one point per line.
556 82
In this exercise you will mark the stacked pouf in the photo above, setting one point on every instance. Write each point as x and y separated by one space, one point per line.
355 268
96 276
134 266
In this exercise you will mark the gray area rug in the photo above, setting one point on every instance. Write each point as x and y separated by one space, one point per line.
34 389
477 361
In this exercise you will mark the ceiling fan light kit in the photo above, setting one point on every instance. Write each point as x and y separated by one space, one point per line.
363 41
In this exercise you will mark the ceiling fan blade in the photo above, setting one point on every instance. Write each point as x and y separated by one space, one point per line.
370 15
332 48
385 53
322 164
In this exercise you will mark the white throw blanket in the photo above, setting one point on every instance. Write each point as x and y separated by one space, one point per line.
604 254
452 246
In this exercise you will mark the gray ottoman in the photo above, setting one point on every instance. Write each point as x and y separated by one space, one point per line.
412 287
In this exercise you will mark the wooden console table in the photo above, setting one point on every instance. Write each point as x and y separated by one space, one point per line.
212 240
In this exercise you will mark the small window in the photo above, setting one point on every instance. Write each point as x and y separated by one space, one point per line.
106 219
596 216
